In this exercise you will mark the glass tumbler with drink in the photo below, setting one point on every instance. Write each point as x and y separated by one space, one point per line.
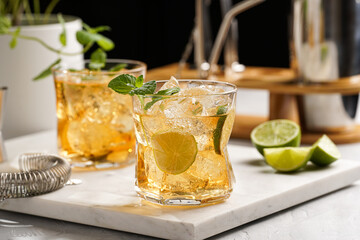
95 125
182 130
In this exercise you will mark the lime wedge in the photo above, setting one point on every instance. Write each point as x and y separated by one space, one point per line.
174 152
325 152
287 159
276 133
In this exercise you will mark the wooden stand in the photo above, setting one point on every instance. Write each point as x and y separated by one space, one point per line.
284 95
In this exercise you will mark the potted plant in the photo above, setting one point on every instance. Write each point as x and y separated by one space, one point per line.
30 44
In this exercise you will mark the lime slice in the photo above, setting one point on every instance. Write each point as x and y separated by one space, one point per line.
287 159
174 152
325 152
276 133
219 127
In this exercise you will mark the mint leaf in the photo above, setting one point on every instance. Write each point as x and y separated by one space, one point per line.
159 96
128 84
169 91
62 36
118 67
154 100
128 79
139 81
147 88
13 41
197 110
97 59
47 71
123 84
221 110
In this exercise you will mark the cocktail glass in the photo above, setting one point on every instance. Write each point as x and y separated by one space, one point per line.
182 156
95 126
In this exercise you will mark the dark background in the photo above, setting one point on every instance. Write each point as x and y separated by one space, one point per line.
156 31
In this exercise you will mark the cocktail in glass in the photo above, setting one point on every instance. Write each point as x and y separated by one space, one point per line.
182 156
95 125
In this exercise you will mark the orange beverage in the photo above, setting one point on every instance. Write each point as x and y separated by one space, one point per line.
182 156
95 125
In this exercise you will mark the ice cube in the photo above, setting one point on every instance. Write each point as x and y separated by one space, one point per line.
208 97
209 166
90 138
170 84
196 91
157 108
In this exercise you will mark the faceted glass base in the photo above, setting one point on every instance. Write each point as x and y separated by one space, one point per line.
183 200
84 164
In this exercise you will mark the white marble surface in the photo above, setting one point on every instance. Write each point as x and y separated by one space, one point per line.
111 203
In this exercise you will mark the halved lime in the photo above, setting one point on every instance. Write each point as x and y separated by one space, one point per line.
174 152
325 152
276 133
287 159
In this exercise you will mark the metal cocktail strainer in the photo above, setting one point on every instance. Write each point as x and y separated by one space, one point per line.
39 173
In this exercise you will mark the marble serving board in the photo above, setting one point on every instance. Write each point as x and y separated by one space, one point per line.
107 199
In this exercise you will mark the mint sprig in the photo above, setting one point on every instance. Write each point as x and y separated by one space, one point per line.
127 84
160 96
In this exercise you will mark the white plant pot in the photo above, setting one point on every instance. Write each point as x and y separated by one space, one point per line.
30 105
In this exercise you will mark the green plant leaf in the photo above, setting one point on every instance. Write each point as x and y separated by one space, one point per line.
118 67
123 84
47 71
50 7
84 37
13 41
147 88
104 42
101 29
87 27
95 29
62 37
97 59
139 81
159 96
5 24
